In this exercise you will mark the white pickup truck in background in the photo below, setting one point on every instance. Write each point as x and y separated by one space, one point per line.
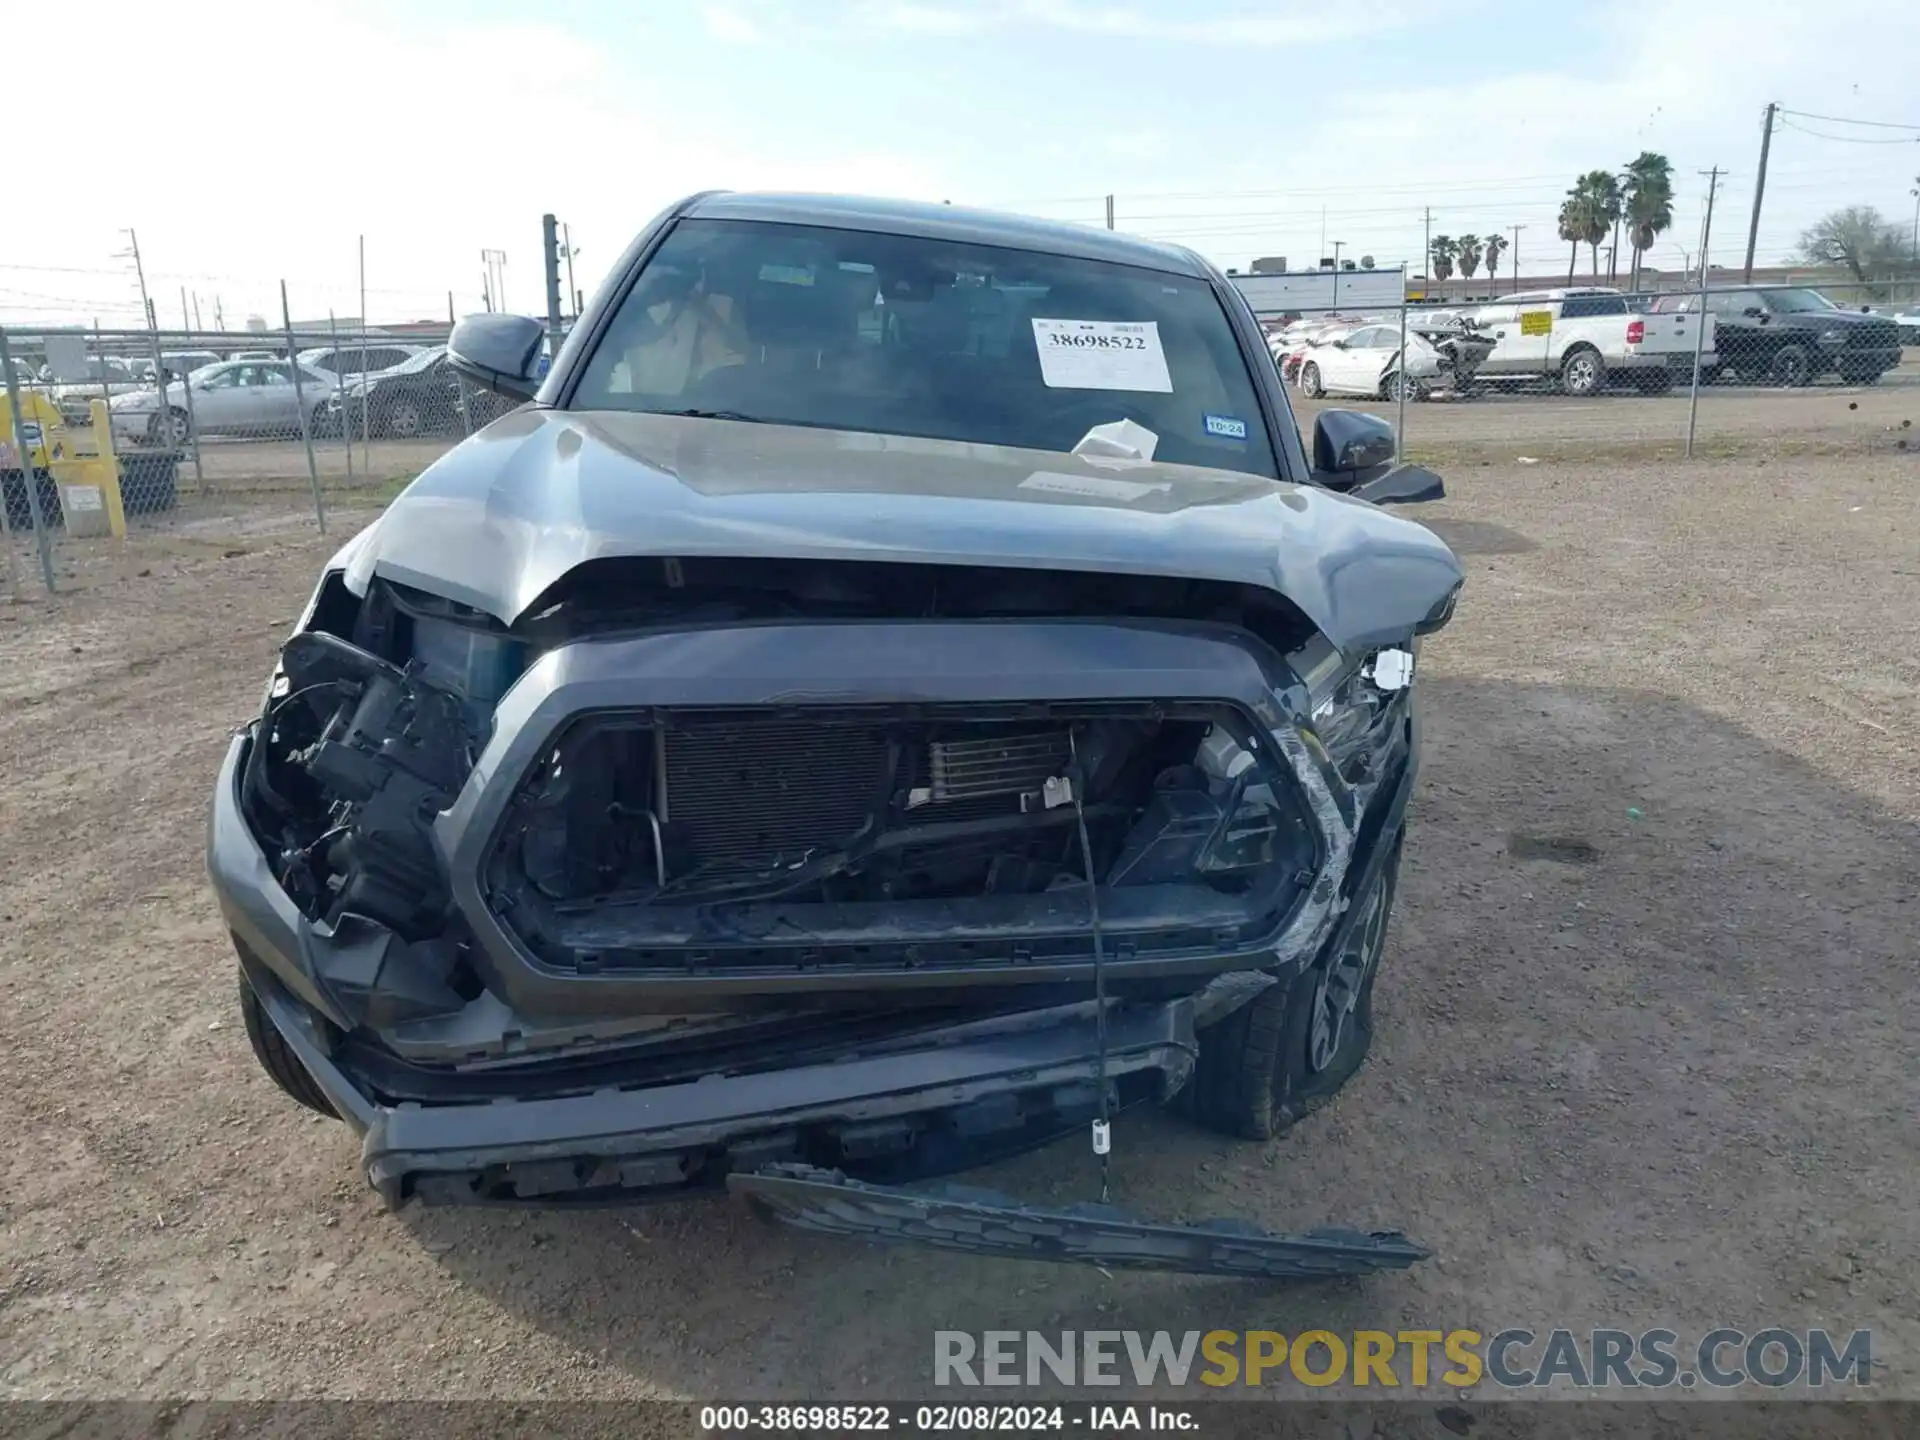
1587 339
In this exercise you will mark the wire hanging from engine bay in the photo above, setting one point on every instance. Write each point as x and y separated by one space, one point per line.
1103 1123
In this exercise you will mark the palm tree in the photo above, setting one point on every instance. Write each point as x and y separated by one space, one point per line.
1587 214
1602 210
1648 204
1441 253
1467 251
1496 246
1571 226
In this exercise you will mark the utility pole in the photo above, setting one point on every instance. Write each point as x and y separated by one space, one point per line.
1426 247
1110 212
1915 192
163 413
566 242
140 273
1759 190
550 261
1516 256
496 263
1700 309
1706 222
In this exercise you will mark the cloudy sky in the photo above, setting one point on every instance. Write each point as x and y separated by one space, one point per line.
250 142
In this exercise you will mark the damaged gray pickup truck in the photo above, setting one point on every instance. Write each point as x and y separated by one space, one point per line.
898 694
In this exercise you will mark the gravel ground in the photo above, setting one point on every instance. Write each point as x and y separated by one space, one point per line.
1662 1076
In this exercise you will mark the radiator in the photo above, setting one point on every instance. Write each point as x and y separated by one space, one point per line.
754 793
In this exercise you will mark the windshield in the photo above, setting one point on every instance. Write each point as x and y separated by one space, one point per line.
414 364
891 334
1793 302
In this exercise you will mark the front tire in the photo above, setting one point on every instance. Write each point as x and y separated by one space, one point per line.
402 420
280 1063
1286 1053
1310 385
1583 373
1396 381
168 427
1790 367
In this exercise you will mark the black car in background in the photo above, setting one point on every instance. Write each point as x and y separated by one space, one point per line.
1791 335
420 396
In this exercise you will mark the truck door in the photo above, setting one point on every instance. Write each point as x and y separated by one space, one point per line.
1520 331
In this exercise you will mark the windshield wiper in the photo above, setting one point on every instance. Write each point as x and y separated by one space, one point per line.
694 414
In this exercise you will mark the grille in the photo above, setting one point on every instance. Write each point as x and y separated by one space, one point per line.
1874 337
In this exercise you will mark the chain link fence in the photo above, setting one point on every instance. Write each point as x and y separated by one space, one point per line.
1579 372
107 435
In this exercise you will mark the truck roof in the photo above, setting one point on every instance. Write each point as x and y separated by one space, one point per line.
949 222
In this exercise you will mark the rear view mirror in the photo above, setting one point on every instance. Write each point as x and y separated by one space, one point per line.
1346 442
500 353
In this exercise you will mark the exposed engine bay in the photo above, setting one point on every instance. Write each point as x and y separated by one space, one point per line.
876 827
800 826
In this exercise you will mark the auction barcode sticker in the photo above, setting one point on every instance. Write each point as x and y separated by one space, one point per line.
1102 355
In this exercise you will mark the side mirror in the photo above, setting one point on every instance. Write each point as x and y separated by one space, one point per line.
501 353
1753 312
1348 442
1402 485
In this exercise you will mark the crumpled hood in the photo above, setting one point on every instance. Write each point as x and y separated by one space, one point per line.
497 520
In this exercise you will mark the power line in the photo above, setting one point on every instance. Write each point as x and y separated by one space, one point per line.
1845 120
1847 139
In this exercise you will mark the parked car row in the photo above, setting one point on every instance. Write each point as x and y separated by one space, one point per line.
420 395
1581 341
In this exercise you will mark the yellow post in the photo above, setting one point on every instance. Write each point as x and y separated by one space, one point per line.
87 472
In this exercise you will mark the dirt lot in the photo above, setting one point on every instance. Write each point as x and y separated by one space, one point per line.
1663 1078
1730 420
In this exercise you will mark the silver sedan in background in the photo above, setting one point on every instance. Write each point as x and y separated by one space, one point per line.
237 397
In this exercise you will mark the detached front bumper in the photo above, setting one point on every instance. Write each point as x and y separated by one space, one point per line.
955 1097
